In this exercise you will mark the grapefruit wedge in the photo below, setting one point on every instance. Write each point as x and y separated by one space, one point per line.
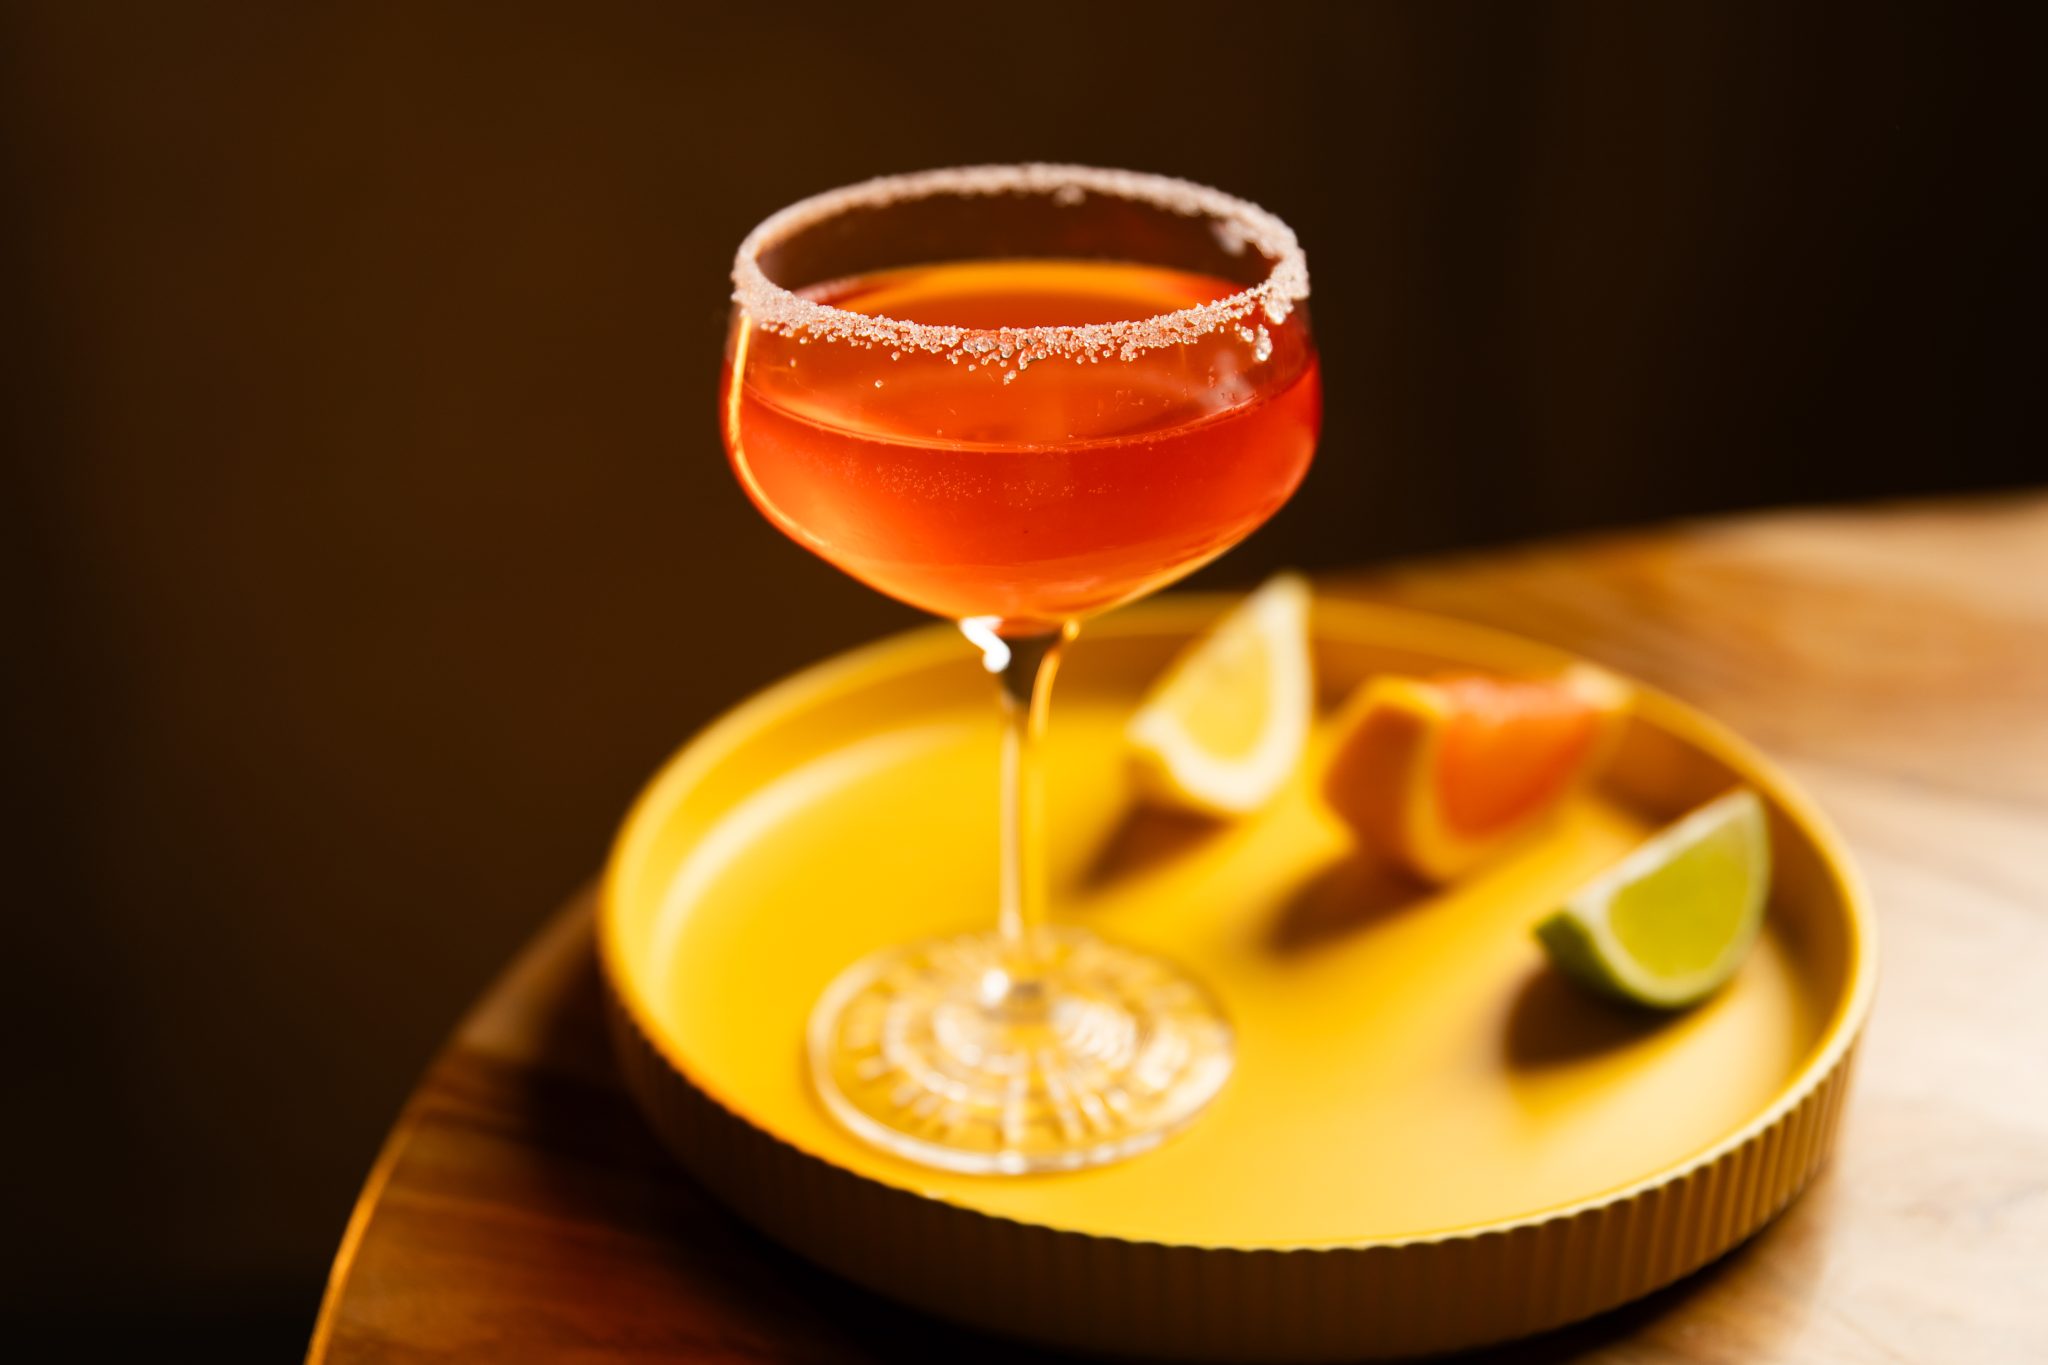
1444 774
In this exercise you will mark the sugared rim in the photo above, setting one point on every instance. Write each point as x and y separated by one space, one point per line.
1237 223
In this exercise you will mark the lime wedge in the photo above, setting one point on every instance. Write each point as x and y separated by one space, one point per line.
1670 923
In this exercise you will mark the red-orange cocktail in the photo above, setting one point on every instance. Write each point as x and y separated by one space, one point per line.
983 485
1016 396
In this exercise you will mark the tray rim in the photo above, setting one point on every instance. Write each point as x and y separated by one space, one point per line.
1380 623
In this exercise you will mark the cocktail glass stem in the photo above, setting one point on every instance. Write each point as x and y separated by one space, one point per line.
1025 668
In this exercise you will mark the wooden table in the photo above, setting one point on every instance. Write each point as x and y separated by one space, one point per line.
1895 658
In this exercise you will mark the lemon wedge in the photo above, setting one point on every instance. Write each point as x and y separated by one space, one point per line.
1223 730
1670 924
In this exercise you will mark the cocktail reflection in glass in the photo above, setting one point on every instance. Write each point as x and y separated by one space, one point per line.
1016 396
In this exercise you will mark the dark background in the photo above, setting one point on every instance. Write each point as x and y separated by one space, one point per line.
368 537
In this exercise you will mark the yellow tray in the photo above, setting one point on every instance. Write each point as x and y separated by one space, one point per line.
1430 1141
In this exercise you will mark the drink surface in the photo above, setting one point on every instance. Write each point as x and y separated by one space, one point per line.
1035 493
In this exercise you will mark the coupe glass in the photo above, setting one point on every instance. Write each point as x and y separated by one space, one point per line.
1016 396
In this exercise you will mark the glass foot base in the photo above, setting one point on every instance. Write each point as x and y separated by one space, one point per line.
928 1052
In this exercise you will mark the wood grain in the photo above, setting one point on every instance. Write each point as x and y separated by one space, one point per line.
1895 658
